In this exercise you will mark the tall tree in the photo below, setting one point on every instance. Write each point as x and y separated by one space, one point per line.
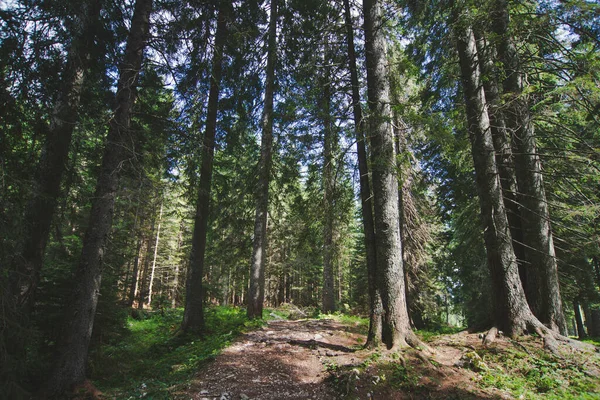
396 324
73 348
504 154
537 231
511 311
55 154
193 318
256 293
329 145
375 307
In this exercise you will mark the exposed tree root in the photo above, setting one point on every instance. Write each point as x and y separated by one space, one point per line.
550 338
413 341
489 337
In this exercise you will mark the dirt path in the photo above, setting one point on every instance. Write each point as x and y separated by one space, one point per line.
283 360
321 359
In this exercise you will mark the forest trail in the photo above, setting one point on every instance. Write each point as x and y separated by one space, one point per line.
323 359
282 360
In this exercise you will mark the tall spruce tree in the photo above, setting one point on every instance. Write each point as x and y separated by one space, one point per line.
537 232
396 329
256 293
193 318
70 367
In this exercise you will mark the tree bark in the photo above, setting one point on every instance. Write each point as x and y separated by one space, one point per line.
175 289
537 232
375 306
396 329
328 295
256 292
143 279
579 320
511 311
73 348
55 154
506 165
155 256
193 318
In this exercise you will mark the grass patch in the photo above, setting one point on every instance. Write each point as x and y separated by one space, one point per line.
427 335
152 357
362 324
538 376
594 341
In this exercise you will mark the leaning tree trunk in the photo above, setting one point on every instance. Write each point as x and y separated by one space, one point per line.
256 292
193 317
511 311
375 306
70 368
396 329
55 154
537 232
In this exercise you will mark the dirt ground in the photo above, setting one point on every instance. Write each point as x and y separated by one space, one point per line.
323 359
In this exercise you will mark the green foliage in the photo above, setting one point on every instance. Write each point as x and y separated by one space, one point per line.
537 376
428 335
152 355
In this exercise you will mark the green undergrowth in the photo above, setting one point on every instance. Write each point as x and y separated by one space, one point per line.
427 335
153 356
357 323
594 341
539 374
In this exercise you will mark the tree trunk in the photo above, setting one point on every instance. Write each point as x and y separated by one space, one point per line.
511 311
73 349
537 232
55 154
142 291
579 320
328 295
256 292
193 318
155 255
175 289
506 166
135 274
375 306
396 326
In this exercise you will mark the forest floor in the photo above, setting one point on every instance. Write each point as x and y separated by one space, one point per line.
323 359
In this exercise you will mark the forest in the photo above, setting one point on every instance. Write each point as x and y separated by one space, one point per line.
197 170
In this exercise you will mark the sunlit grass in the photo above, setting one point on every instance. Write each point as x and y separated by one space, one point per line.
153 355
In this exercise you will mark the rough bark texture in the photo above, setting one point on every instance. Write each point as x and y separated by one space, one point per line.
511 311
505 163
256 292
537 232
396 326
193 317
375 306
73 349
55 154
